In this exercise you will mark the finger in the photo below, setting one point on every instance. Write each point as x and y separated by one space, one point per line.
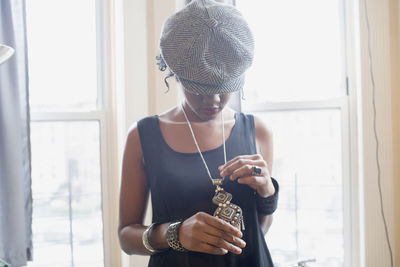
253 181
246 170
222 225
251 157
261 184
206 248
238 158
229 169
226 236
205 227
220 243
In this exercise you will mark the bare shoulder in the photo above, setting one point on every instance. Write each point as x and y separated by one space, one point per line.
264 141
133 135
263 131
133 147
133 131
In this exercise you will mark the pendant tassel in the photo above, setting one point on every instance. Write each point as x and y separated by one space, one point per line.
242 223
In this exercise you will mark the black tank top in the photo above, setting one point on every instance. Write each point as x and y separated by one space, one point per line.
180 187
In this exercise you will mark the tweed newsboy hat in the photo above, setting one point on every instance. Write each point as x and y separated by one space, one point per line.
209 46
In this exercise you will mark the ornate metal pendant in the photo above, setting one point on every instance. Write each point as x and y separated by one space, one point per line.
226 210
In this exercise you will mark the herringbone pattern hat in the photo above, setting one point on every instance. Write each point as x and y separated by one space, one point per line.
209 46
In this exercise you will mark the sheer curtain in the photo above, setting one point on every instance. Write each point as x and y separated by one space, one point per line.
15 170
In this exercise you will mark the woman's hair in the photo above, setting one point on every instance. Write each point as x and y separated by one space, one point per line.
163 66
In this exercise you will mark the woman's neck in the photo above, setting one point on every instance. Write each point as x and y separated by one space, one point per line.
175 115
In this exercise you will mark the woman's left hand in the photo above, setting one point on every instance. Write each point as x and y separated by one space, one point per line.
241 169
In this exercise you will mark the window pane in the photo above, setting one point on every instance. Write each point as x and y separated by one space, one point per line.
299 50
308 165
87 226
66 184
62 54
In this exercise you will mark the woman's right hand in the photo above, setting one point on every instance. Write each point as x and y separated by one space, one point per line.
208 234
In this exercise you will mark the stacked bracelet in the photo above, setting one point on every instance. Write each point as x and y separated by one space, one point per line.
173 237
267 205
145 239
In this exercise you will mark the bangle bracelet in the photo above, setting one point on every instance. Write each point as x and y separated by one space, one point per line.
173 237
145 239
268 205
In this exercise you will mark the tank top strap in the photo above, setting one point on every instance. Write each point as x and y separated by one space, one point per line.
150 140
148 134
246 131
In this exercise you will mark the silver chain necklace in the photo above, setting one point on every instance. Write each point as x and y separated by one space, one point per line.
214 181
226 210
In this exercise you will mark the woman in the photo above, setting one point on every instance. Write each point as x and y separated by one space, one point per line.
207 167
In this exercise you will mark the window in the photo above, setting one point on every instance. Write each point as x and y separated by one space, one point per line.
67 92
297 85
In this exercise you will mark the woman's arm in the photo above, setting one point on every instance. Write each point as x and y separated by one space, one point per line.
134 192
264 142
201 232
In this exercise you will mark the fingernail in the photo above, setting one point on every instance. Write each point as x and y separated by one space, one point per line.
220 167
238 250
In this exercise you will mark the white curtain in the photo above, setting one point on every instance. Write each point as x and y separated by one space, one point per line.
15 169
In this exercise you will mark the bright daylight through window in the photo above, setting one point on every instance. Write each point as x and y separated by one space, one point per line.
297 85
66 151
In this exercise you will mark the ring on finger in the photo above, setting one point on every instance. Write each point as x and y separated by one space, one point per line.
256 171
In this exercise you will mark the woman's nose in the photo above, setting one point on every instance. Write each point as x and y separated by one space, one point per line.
211 99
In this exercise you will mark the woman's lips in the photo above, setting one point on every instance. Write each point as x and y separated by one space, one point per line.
210 111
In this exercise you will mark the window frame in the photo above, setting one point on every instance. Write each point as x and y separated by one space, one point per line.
342 104
345 104
105 115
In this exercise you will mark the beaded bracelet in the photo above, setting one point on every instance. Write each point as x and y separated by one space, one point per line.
267 205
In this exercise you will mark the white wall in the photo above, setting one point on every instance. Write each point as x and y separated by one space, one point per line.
384 25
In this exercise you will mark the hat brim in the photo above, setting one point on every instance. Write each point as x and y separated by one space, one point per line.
204 89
